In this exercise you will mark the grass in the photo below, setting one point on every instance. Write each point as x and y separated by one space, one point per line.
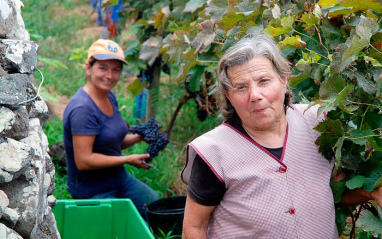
62 52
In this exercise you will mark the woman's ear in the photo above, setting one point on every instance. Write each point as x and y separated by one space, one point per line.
88 68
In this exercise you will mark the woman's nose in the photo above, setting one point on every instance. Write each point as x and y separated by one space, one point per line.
109 74
254 93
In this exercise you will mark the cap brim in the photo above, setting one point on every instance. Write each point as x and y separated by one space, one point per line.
109 57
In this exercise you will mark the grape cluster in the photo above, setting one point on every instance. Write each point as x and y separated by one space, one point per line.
150 131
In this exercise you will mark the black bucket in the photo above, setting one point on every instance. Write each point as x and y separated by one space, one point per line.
167 215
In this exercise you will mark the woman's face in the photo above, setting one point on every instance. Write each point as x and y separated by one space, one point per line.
258 94
104 74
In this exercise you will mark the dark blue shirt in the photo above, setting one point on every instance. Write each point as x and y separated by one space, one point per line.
83 117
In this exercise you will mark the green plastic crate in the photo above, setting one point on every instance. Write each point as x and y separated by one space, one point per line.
100 219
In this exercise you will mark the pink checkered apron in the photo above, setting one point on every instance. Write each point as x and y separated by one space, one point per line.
266 197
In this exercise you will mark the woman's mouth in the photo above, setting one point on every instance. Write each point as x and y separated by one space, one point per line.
258 111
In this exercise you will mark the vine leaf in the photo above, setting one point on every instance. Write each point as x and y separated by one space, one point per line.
297 79
362 5
206 36
194 75
136 86
285 26
193 5
338 187
216 9
162 19
374 180
356 182
327 3
367 27
309 20
358 44
331 131
330 103
366 85
364 30
370 223
292 42
338 65
150 49
338 10
331 87
361 136
230 20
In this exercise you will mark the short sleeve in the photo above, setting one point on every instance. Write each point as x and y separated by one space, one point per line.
85 121
204 187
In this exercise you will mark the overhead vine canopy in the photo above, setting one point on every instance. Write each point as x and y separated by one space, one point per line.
335 47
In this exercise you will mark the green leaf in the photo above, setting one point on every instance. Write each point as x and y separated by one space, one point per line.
338 187
338 11
309 20
285 26
136 65
292 42
374 180
330 103
355 182
327 3
338 147
131 44
230 20
136 86
216 9
367 85
358 44
372 61
194 76
287 23
351 158
275 31
338 65
366 28
331 87
193 5
369 223
297 79
362 5
360 136
331 131
228 43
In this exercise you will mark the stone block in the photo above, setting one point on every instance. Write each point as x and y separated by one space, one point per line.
10 217
18 56
13 89
13 122
4 202
11 23
14 157
6 232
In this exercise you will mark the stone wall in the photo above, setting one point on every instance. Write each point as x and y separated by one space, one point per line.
26 170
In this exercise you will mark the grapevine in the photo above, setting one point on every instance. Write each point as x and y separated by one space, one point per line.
150 131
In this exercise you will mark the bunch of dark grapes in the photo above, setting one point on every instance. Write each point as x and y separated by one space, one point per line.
150 131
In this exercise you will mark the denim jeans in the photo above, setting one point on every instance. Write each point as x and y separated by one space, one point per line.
137 191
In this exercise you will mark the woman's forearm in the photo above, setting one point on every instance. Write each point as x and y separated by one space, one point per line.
359 195
131 139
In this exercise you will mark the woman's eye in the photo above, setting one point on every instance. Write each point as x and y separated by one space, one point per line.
241 87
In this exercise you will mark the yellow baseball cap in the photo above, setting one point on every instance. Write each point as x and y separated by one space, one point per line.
104 49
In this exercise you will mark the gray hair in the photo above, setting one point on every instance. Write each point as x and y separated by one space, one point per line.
242 52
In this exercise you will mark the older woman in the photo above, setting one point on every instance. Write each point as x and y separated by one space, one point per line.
95 133
259 174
